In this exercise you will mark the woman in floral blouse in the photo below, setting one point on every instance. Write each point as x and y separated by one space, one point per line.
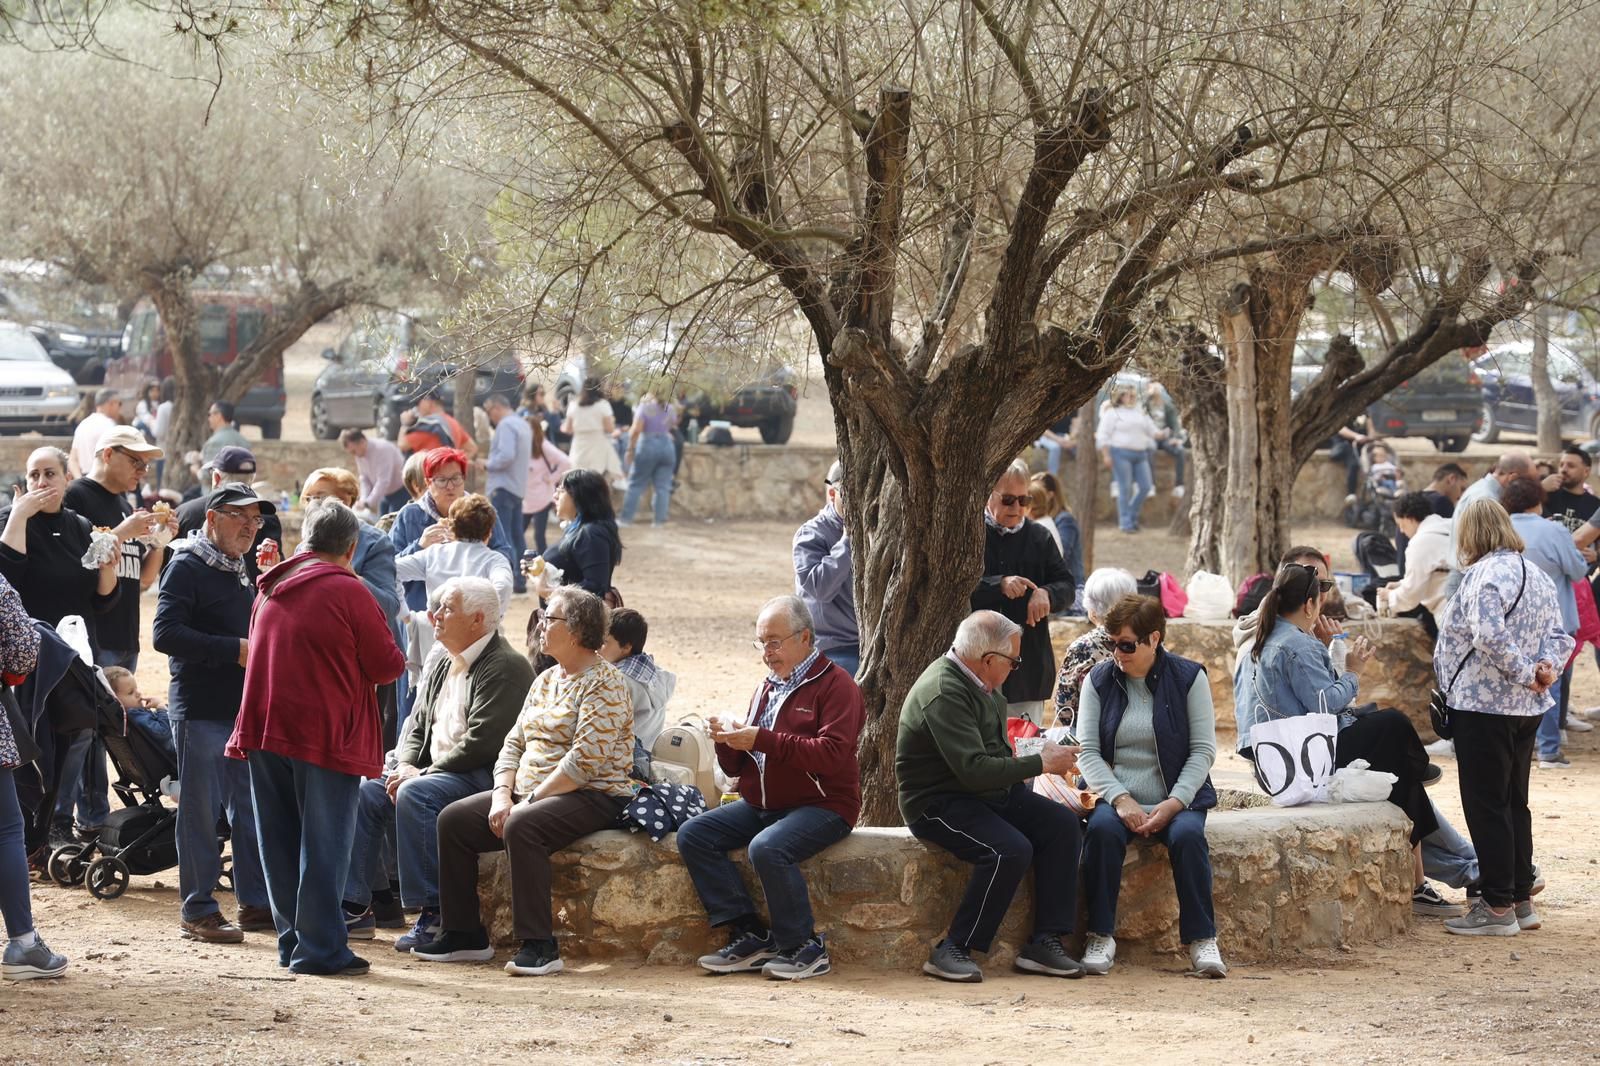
1500 648
1105 587
26 957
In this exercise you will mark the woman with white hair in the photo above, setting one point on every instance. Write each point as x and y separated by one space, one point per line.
1104 588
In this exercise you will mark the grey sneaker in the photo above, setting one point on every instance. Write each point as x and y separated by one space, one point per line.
745 953
1481 921
1527 917
949 961
1099 953
32 963
1555 762
808 960
1045 955
1206 958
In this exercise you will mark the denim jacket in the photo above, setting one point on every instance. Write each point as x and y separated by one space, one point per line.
1505 647
1295 676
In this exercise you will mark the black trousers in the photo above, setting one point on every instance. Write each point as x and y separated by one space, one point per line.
1494 754
1389 742
1002 841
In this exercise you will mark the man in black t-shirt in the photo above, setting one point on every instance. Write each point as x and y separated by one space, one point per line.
1568 499
120 463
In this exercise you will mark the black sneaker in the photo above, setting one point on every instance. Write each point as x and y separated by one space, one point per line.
745 953
1045 955
356 967
949 961
1431 776
536 959
388 913
453 945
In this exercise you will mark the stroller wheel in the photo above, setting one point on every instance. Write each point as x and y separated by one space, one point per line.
65 866
108 877
225 874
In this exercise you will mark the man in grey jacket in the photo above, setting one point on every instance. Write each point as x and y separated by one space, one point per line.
823 577
467 703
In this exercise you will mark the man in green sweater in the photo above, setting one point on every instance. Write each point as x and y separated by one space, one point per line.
962 789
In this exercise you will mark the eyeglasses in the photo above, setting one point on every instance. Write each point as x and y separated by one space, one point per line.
254 521
1013 663
447 482
554 618
1127 647
138 461
1015 501
771 645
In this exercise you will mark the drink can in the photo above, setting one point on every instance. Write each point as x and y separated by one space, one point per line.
267 555
729 797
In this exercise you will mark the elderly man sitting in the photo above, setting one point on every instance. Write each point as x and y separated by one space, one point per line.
468 701
794 756
962 789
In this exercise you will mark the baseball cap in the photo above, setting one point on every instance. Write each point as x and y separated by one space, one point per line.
835 473
237 494
234 460
128 439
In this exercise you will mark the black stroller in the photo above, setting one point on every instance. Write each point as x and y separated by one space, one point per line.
141 838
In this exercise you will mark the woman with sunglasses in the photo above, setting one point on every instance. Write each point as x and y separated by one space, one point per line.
1295 675
1149 738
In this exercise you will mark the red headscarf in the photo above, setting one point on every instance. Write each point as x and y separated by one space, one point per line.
441 457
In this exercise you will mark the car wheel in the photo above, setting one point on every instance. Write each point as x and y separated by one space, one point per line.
1489 432
1452 444
272 429
321 427
778 429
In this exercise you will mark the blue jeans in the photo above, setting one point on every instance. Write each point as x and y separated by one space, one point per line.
84 783
395 500
15 905
1130 468
1448 857
776 842
415 817
508 512
652 465
209 784
1549 736
306 821
849 659
1177 451
541 522
1105 845
1052 454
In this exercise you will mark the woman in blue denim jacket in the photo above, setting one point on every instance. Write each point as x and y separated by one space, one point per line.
1501 646
1294 675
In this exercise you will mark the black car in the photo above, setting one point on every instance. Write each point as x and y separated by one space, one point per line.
381 368
81 350
767 404
1443 403
1508 394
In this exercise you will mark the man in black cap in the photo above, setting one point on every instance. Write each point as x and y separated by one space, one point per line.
203 625
237 465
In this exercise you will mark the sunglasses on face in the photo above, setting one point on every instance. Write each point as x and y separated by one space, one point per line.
1127 647
1012 663
1015 501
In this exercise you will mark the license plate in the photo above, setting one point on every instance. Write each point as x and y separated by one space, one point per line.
1438 416
14 410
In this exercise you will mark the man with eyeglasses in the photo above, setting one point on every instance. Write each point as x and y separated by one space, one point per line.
794 756
962 789
1026 580
202 625
229 465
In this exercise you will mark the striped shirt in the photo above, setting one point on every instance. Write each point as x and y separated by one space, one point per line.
581 725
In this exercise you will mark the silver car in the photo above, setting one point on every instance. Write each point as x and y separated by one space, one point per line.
35 394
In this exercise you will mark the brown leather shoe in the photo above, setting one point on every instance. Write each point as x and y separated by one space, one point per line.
213 929
256 920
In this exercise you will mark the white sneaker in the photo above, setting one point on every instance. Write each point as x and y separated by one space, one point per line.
1207 959
1591 714
1177 492
1099 952
1446 748
1578 725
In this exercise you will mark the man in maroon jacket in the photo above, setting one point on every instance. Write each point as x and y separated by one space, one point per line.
308 728
800 790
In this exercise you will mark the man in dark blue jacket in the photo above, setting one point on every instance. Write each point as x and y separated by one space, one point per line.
823 577
203 625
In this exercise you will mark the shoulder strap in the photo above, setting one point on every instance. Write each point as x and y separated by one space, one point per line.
1521 587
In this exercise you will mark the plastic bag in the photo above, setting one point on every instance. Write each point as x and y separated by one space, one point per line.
1359 783
1294 757
103 547
1210 598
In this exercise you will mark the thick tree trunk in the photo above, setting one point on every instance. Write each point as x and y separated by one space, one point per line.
1085 482
1203 406
1546 400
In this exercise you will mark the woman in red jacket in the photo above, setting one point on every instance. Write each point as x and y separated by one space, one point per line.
309 729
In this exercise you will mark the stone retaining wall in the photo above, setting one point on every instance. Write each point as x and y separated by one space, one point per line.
1401 675
1286 881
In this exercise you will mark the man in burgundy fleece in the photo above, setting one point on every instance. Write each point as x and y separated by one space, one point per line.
309 730
800 790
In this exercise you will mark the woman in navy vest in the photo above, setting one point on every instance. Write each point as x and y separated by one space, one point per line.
1148 732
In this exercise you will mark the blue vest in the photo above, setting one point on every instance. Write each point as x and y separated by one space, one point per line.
1169 681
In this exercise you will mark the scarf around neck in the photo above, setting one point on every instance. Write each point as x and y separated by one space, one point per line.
988 520
198 543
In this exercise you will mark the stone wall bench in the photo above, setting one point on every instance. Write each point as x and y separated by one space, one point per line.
1286 881
1400 675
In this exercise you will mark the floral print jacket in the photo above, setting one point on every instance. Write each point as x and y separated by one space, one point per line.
1505 642
19 654
1082 655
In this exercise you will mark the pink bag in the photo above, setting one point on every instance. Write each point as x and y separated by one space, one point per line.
1173 598
1588 618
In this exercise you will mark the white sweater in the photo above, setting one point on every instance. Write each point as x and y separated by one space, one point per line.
1429 562
1125 427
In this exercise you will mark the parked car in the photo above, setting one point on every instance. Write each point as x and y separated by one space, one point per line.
767 403
83 349
1507 392
1442 403
228 323
380 369
35 394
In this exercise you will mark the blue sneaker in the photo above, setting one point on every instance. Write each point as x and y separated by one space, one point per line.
363 926
424 932
746 953
32 963
808 960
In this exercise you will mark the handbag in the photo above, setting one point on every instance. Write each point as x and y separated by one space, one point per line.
1439 709
1294 757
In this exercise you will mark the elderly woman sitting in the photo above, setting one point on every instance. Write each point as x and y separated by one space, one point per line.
1105 587
1149 739
562 774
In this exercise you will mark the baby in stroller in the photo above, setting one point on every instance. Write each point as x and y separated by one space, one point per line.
147 714
1384 482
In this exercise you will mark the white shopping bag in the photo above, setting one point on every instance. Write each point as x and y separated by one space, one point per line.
1210 598
1294 757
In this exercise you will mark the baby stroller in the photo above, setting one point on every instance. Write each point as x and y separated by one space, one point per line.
1373 505
141 838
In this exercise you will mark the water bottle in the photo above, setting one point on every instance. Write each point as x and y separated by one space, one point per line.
1339 652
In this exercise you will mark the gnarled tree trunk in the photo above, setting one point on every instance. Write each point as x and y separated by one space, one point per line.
1547 401
1203 407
